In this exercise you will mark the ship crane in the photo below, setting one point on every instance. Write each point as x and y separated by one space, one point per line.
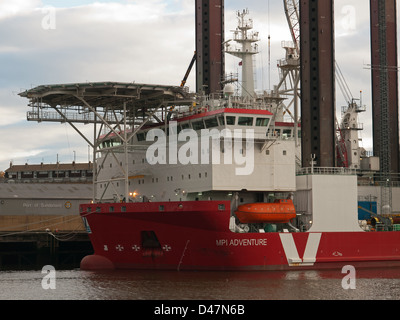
289 67
347 137
340 139
343 85
293 18
189 69
183 83
290 70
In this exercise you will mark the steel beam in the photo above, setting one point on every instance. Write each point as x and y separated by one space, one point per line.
210 30
384 68
317 82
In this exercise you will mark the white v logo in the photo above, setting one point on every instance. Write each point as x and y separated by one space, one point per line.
292 255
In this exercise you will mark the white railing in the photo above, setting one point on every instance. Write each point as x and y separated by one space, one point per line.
326 171
70 117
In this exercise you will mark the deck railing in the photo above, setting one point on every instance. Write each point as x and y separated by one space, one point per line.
326 171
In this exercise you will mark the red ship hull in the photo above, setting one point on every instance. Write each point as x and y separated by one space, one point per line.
196 236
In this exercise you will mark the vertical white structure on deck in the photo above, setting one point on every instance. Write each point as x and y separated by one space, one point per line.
330 197
246 38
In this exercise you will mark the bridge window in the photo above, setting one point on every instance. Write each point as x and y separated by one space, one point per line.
198 125
185 126
230 120
287 132
245 121
211 122
141 136
262 122
115 143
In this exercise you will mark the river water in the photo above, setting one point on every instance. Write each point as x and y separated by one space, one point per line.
370 284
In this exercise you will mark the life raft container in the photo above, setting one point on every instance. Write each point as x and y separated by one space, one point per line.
281 211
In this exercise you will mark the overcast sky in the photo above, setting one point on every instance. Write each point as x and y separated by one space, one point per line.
147 41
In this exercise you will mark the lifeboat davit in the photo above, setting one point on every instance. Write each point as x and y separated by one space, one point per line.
281 211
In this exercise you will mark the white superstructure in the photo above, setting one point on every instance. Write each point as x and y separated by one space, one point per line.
202 156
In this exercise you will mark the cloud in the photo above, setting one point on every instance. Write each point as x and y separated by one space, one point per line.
102 41
36 142
134 11
148 41
13 112
142 41
17 7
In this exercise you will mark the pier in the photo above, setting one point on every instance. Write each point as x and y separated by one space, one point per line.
39 215
33 250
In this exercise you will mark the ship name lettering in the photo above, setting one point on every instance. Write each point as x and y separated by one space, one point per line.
241 242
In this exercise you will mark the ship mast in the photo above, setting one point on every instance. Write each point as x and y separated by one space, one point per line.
248 40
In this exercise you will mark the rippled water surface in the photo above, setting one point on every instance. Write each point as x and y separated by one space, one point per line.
372 284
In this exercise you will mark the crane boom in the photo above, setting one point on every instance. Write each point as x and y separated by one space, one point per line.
189 69
293 18
292 12
343 85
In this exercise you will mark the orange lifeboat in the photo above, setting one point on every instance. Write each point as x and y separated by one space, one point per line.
281 211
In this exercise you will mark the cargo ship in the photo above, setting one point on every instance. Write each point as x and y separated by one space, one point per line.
206 217
215 181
